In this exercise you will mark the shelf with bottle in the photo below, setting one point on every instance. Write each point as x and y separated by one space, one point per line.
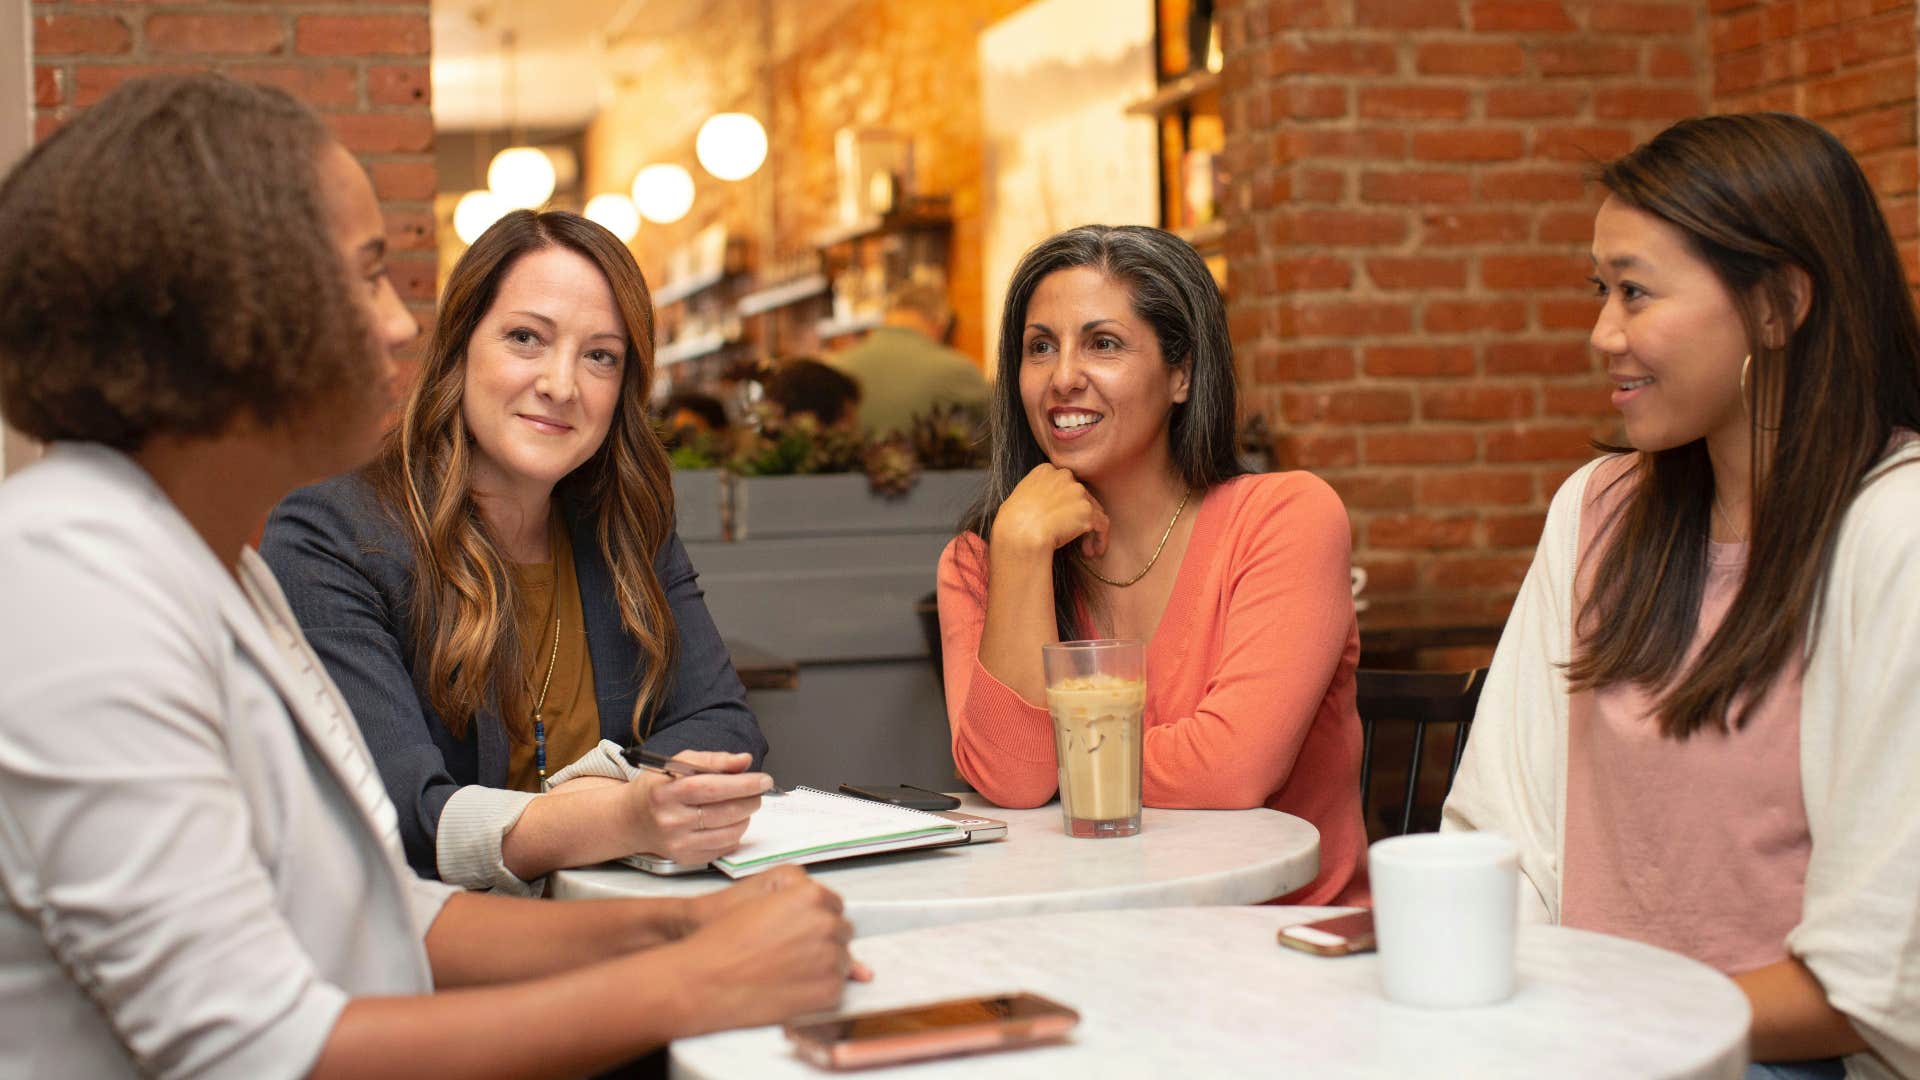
782 294
1207 237
1192 137
711 259
919 213
1185 92
687 288
695 346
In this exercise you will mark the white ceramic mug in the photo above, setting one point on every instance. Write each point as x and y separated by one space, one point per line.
1444 909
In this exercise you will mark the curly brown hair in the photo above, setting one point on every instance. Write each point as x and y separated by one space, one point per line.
166 266
465 599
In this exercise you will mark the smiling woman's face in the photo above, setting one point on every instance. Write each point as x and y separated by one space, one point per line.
360 236
543 372
1669 332
1095 387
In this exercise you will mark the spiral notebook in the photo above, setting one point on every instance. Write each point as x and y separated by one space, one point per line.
808 825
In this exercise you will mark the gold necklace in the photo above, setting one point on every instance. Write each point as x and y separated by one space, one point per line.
540 728
1162 546
1726 518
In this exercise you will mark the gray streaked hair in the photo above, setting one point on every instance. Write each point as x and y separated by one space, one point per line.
1174 293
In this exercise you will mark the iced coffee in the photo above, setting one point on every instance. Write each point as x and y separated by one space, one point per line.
1097 696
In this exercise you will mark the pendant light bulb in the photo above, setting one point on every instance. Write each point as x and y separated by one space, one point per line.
476 212
617 213
664 193
731 145
522 176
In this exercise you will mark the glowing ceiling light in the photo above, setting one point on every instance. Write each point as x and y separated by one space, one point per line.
522 176
476 212
664 193
731 145
617 213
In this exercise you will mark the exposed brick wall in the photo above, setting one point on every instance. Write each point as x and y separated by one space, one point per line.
364 66
910 67
1408 241
1848 64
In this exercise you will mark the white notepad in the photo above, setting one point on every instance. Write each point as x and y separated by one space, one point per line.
808 826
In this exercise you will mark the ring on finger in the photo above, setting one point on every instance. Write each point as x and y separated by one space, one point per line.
700 818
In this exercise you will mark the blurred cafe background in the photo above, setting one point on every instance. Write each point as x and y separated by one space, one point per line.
1389 191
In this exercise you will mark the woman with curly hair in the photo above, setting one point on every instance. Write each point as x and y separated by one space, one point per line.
203 876
501 594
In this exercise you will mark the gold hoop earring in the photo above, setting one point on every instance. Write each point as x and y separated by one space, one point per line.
1744 405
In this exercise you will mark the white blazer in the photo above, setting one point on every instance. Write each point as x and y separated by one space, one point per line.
1859 928
199 862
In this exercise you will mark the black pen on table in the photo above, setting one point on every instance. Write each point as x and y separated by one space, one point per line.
641 758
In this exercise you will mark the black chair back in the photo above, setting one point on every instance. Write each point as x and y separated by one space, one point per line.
927 609
1408 703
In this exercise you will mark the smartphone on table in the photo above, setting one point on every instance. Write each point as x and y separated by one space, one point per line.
1340 935
961 1026
902 795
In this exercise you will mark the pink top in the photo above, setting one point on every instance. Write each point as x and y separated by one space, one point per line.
1698 846
1249 676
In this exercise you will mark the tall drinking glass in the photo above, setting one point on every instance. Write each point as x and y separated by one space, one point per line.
1097 693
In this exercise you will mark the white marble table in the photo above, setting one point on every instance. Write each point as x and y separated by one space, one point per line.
1207 992
1180 858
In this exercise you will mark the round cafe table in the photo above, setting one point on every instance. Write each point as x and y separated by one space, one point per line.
1208 992
1181 858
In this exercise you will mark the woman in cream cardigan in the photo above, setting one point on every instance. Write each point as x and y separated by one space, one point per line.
1701 720
203 877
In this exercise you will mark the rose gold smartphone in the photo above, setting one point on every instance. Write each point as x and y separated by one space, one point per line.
1337 936
961 1026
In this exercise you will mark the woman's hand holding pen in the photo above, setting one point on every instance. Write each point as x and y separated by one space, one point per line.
767 949
695 819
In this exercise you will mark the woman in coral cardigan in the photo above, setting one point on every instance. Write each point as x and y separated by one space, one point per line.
1115 508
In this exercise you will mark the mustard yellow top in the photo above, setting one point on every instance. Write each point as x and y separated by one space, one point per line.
570 714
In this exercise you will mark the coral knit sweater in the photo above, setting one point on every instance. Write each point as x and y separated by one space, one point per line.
1250 694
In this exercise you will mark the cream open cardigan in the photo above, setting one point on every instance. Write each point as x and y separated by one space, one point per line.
1859 928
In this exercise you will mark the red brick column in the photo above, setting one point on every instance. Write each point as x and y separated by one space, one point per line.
364 68
1408 242
1848 64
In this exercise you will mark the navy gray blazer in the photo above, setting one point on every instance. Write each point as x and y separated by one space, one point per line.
347 570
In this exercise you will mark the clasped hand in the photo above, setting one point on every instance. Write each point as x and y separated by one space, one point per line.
1049 509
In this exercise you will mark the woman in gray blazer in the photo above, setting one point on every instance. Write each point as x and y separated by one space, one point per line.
501 595
202 875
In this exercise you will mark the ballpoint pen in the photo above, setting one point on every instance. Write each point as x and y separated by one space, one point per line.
641 758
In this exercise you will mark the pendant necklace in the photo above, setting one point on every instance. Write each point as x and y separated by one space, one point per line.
1156 551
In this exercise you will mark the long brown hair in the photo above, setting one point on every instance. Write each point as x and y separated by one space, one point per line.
1757 196
464 597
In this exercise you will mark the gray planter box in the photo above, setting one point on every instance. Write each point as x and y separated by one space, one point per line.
822 571
782 507
698 498
822 599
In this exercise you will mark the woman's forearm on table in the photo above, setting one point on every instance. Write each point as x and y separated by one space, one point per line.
573 826
480 939
575 1024
1792 1020
1018 618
